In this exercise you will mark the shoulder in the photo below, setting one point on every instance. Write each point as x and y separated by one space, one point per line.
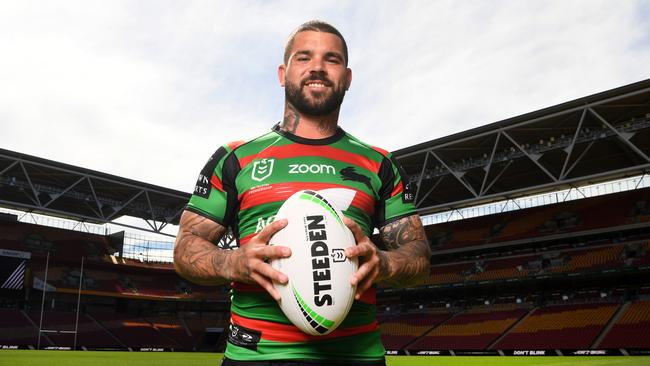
239 147
372 151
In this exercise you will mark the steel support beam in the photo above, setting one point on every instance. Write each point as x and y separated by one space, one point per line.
621 137
465 184
540 166
569 149
489 164
537 188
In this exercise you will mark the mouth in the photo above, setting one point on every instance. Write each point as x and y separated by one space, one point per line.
316 84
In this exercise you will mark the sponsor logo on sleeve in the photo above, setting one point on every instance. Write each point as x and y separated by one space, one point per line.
202 187
407 195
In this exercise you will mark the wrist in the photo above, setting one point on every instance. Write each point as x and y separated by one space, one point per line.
385 271
222 260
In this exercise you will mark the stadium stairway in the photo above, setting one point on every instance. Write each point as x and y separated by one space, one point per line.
408 345
99 324
43 335
160 328
512 326
610 325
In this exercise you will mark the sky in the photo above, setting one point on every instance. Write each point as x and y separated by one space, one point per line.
147 90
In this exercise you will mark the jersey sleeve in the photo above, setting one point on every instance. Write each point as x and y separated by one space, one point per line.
395 196
215 195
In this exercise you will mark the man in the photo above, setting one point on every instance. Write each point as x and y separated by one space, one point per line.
244 184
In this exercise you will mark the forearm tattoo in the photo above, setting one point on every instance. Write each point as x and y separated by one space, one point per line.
406 259
196 257
402 231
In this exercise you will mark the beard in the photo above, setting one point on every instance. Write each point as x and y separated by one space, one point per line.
318 106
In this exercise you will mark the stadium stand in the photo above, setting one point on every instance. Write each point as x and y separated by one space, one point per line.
475 329
90 334
400 330
607 211
67 244
580 319
549 261
135 332
17 328
561 326
173 327
632 330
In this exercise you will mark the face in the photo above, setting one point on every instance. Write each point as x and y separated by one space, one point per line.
315 76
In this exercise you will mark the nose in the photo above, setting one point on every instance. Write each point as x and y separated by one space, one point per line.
317 64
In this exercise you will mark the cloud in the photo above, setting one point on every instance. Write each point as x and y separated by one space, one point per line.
436 68
148 90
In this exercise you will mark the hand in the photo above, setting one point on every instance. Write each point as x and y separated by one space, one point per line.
370 259
250 262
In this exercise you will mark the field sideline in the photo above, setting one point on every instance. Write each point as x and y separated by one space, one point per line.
78 358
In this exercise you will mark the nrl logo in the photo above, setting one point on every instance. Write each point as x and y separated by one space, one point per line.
262 169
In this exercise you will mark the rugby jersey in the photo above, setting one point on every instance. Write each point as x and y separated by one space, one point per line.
243 185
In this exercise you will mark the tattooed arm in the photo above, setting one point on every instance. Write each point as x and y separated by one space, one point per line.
405 261
196 256
198 259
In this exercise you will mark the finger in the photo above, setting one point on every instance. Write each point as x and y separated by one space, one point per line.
270 229
364 285
361 273
273 252
361 249
267 285
355 228
271 273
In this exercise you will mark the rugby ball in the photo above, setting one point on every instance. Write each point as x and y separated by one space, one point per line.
318 295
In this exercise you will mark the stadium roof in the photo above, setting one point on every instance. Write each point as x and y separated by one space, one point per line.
595 138
599 137
57 189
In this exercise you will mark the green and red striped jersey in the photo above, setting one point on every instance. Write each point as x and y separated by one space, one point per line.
244 184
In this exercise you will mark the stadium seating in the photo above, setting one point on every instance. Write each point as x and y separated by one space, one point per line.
554 261
173 328
561 326
399 331
475 329
66 244
90 334
198 323
593 258
448 273
502 268
17 329
135 332
632 330
609 210
106 279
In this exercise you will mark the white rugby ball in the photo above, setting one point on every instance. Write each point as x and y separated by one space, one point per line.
318 295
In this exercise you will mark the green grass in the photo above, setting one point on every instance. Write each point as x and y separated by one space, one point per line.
88 358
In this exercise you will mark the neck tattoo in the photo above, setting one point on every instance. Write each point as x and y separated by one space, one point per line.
291 119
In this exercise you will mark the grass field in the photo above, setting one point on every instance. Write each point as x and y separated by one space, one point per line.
69 358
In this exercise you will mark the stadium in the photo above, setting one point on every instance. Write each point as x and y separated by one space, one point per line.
539 226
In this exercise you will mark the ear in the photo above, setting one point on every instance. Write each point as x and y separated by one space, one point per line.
348 78
281 74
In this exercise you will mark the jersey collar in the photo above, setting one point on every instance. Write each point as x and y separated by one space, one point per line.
302 140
